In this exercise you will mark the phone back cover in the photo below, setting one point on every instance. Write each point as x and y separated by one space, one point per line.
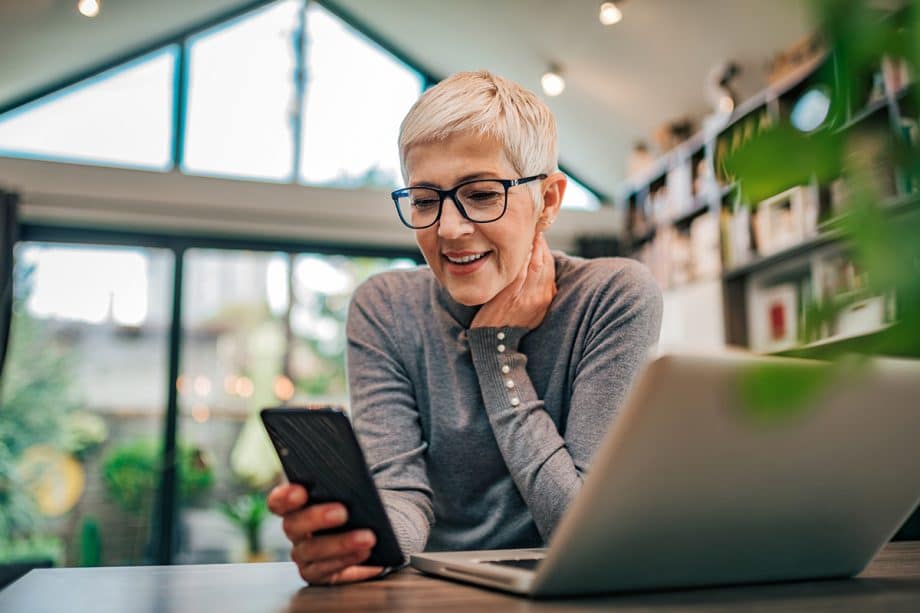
318 450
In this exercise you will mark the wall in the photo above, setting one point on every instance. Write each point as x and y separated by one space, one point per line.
141 201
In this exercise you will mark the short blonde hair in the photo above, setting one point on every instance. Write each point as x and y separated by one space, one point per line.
484 103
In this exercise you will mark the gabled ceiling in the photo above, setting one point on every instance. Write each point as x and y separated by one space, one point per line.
622 81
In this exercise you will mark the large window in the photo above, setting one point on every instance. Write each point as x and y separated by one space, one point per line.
241 117
259 329
241 96
84 393
356 97
122 117
579 197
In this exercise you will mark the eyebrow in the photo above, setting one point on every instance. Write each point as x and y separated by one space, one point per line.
476 175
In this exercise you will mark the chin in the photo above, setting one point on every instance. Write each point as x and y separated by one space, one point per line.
469 299
470 296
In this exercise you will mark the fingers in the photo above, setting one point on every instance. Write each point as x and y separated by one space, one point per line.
301 524
325 571
340 571
327 559
357 573
286 498
332 546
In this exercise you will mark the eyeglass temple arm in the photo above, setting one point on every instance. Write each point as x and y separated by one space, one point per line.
521 181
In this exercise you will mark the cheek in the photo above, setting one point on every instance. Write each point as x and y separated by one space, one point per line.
514 248
425 242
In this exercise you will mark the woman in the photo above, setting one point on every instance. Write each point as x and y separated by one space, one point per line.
480 386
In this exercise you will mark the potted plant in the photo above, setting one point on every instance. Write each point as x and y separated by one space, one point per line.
247 513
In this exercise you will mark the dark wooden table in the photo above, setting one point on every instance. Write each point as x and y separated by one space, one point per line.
891 583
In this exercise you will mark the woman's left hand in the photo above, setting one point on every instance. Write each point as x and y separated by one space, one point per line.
523 304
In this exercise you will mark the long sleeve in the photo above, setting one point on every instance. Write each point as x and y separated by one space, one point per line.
385 417
548 467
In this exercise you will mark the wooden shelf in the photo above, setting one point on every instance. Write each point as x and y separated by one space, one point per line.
863 114
699 208
643 238
866 342
829 232
799 249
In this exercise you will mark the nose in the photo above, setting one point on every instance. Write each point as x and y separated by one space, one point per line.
452 224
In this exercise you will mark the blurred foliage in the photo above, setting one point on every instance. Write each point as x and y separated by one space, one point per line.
130 472
794 158
247 513
32 548
83 433
884 240
37 397
90 543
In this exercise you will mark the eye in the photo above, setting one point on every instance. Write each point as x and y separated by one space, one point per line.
482 196
423 203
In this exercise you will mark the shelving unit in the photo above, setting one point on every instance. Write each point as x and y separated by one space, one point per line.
685 221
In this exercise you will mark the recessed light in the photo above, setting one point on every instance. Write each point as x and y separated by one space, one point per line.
552 81
88 8
610 13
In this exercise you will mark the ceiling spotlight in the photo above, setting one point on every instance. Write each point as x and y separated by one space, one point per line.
610 13
552 81
88 8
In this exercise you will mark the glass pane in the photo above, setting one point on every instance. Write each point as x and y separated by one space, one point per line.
84 392
356 96
123 117
241 88
577 196
260 329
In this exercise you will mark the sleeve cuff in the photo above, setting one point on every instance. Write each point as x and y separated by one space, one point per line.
501 367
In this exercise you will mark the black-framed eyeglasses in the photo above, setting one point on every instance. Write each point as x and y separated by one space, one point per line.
478 200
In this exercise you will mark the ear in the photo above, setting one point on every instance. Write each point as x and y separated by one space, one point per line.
553 191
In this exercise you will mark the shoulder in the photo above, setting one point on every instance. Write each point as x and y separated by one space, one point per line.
622 278
612 294
393 289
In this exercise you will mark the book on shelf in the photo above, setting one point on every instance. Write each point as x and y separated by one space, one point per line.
773 318
786 219
704 247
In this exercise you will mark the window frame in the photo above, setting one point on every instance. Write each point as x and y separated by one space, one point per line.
164 511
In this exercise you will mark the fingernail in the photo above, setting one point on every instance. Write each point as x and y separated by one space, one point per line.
337 515
364 538
297 497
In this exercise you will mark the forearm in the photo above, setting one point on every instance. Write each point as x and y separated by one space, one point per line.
533 450
385 418
411 520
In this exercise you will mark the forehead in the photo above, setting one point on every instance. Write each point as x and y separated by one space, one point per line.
443 162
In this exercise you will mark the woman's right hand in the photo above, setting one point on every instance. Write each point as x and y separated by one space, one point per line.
326 559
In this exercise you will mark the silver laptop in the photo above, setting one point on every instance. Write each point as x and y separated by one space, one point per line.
707 477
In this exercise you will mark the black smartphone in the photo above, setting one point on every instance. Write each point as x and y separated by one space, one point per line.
318 450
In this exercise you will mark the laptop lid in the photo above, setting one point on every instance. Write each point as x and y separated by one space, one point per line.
709 477
701 481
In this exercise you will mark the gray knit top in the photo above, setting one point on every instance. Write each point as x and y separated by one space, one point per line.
480 438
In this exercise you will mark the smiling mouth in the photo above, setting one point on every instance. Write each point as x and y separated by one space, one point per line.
466 259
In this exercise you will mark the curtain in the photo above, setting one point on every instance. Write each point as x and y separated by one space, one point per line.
9 227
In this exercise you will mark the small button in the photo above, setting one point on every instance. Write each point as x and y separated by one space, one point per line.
509 384
501 349
501 336
515 402
506 369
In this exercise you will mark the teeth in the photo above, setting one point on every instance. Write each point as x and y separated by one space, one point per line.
466 259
